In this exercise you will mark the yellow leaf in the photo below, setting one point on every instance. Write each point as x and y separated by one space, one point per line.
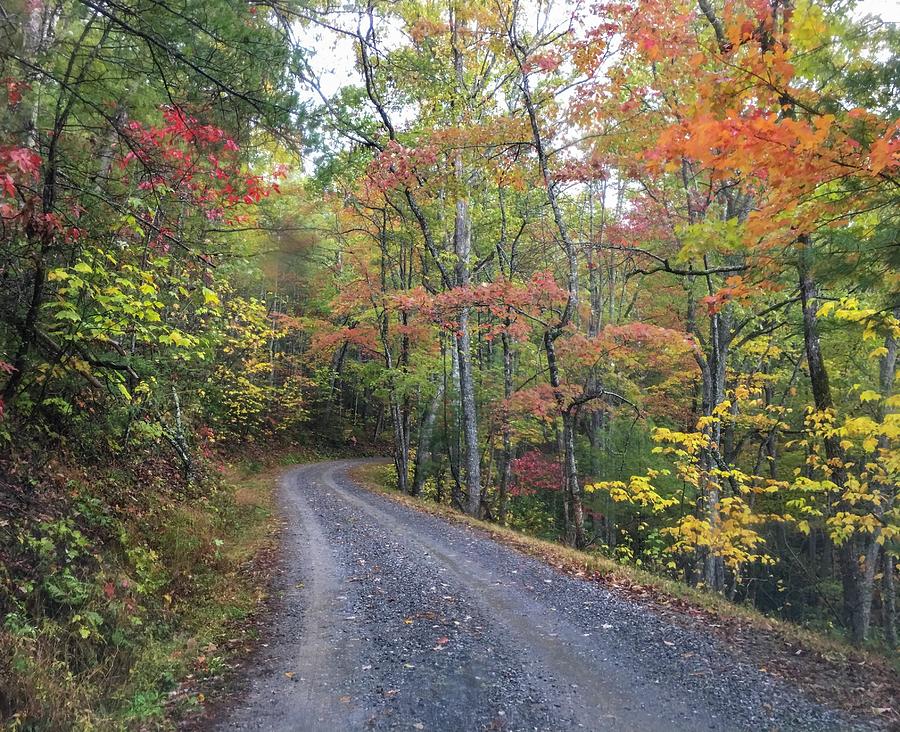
210 297
869 395
826 309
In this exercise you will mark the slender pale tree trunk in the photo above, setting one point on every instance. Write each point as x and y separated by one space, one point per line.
36 35
399 423
505 466
469 415
714 566
573 492
572 500
396 403
452 429
462 247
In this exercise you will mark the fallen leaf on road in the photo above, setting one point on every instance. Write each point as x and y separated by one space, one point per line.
345 700
289 674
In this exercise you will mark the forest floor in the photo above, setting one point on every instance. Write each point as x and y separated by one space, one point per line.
387 617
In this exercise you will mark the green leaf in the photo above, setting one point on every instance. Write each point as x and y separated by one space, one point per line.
68 314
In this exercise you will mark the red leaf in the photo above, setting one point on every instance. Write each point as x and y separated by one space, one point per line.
25 160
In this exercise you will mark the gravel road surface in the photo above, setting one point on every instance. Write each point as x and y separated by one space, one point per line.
392 619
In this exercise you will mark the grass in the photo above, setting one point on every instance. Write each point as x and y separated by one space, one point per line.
820 663
216 629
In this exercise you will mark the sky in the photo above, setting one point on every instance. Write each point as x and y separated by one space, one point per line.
334 57
889 10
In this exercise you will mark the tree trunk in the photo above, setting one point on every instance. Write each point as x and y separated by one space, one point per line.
423 449
572 498
178 440
471 455
887 375
505 467
401 447
462 246
889 600
855 576
452 436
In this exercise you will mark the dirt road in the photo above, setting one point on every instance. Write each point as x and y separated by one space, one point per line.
393 619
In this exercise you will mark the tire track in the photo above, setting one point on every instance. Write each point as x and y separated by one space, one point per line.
390 618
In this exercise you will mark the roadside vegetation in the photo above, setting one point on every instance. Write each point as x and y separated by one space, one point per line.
624 279
120 596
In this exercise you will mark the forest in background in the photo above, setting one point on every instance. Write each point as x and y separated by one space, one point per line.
623 275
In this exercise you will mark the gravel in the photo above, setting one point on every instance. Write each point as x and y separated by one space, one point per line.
392 619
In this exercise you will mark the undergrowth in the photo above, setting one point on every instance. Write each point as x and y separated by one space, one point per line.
115 586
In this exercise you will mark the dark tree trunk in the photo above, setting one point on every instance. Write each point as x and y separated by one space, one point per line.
857 555
889 600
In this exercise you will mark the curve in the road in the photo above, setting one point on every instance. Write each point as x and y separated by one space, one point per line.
394 619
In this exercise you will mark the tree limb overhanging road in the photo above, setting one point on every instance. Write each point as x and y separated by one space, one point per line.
390 618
